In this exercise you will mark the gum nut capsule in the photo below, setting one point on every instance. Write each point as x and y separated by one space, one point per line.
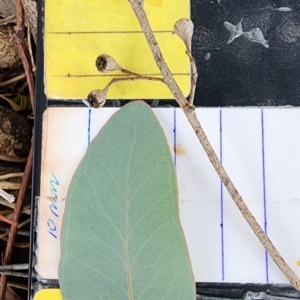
106 63
97 98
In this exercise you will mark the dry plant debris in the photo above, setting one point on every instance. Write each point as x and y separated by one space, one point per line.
18 31
9 57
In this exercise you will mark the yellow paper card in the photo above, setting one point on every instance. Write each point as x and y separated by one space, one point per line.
48 294
77 32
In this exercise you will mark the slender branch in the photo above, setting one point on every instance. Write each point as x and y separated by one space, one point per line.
20 45
12 159
14 267
11 175
19 231
97 98
17 285
137 6
114 80
12 80
30 48
18 244
15 274
26 209
8 185
8 221
10 198
15 218
141 76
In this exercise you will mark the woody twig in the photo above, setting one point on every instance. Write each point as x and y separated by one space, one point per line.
137 6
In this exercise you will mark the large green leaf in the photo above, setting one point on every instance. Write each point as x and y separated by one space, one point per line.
121 236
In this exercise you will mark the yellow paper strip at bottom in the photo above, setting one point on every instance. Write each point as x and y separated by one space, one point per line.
48 294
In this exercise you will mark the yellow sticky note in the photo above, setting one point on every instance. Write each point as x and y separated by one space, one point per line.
48 294
77 32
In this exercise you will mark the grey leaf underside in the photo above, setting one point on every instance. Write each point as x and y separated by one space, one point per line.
121 235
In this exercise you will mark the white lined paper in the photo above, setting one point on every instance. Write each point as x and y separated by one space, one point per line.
248 141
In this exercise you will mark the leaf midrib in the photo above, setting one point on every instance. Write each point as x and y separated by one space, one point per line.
128 271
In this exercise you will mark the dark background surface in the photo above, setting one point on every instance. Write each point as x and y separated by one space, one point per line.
245 73
235 291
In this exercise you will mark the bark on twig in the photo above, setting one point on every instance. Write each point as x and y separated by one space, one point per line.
137 6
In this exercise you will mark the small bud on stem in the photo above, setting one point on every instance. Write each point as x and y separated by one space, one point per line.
184 28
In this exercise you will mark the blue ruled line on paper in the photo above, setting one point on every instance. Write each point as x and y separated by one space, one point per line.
89 126
264 188
221 196
174 135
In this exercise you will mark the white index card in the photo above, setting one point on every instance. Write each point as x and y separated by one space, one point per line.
259 149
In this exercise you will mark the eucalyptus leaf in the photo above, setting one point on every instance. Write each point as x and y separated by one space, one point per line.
121 235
